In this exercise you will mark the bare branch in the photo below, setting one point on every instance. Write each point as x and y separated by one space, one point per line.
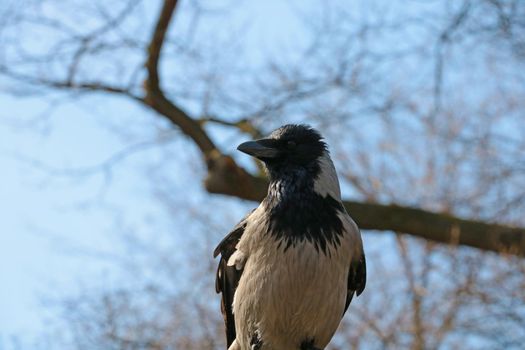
437 227
244 125
226 177
69 85
155 97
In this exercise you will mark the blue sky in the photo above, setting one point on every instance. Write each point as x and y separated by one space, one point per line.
40 215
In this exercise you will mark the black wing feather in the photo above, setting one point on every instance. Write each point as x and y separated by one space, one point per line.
356 279
227 281
228 277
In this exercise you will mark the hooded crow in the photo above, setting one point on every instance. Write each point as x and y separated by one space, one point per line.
290 268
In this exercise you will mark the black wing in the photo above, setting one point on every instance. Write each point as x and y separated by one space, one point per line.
228 277
356 278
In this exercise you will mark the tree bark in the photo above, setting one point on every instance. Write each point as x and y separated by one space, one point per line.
229 179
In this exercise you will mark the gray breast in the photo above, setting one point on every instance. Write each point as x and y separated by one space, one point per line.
291 294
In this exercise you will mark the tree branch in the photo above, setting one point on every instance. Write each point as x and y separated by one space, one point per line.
226 177
438 227
155 97
244 125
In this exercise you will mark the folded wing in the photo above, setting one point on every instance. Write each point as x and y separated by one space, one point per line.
357 269
227 278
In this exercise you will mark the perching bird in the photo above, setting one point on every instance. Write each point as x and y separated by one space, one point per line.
290 268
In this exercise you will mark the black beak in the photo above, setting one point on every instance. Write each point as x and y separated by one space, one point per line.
261 149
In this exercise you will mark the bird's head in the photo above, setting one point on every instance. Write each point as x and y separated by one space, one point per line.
289 148
294 151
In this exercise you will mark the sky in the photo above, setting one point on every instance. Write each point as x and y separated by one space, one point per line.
55 227
43 216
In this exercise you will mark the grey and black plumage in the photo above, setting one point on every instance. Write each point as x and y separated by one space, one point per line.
290 268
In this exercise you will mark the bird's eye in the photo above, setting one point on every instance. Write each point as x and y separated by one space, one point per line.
291 144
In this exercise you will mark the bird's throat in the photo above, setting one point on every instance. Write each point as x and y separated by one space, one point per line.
290 186
296 212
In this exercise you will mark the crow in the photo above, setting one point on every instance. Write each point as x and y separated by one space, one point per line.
290 268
